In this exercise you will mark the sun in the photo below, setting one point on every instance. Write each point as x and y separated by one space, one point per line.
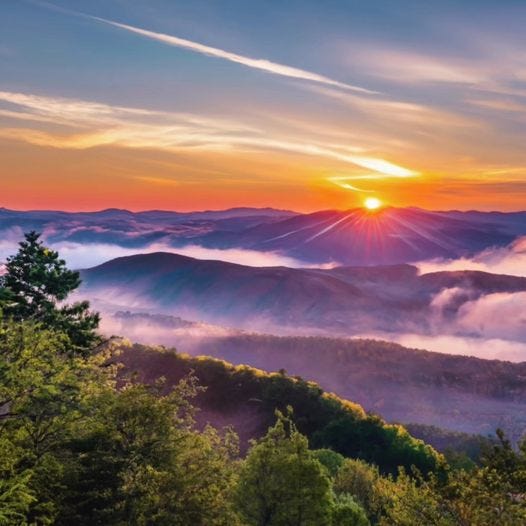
372 203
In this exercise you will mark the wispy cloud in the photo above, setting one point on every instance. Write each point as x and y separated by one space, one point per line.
102 124
268 66
396 111
342 182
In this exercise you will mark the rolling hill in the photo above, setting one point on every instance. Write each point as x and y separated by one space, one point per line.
246 399
347 300
459 393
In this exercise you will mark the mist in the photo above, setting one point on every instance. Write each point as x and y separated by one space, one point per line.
86 255
506 260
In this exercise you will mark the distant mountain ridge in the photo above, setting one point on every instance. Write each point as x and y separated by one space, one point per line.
389 236
352 237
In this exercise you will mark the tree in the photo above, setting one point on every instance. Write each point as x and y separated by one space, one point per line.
386 445
281 483
414 501
35 285
141 463
496 492
364 483
347 512
43 396
15 493
331 460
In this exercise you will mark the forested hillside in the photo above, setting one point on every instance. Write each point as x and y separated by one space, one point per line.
243 395
460 393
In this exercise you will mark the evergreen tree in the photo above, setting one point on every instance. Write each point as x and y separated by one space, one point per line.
35 285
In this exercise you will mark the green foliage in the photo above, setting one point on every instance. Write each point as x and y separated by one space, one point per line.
141 462
281 483
362 482
328 421
490 495
331 460
42 385
77 451
34 287
496 493
15 494
44 392
347 512
414 502
370 439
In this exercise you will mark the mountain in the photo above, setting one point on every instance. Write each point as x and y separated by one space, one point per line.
348 300
387 236
246 399
352 237
411 386
459 393
135 229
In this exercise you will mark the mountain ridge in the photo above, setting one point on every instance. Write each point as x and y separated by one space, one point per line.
349 300
351 237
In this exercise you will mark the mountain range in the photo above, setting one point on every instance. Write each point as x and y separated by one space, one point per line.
348 300
353 237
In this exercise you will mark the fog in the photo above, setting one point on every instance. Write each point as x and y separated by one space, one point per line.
86 255
506 260
487 348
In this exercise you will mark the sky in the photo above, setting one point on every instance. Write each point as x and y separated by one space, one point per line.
304 105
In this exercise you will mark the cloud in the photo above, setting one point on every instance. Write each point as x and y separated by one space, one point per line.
254 63
102 124
507 260
75 112
407 67
486 348
500 105
158 330
448 297
466 313
9 241
85 255
400 112
499 315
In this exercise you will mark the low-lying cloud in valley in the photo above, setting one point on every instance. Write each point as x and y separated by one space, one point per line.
80 255
487 348
506 260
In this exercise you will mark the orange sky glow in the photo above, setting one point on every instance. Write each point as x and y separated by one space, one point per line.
141 111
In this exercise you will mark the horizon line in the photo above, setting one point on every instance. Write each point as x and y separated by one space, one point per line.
260 208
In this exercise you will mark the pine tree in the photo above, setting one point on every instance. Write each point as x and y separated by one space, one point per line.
35 285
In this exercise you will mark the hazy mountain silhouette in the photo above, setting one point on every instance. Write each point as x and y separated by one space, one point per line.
350 299
352 237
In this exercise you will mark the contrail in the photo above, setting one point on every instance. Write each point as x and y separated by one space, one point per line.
254 63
